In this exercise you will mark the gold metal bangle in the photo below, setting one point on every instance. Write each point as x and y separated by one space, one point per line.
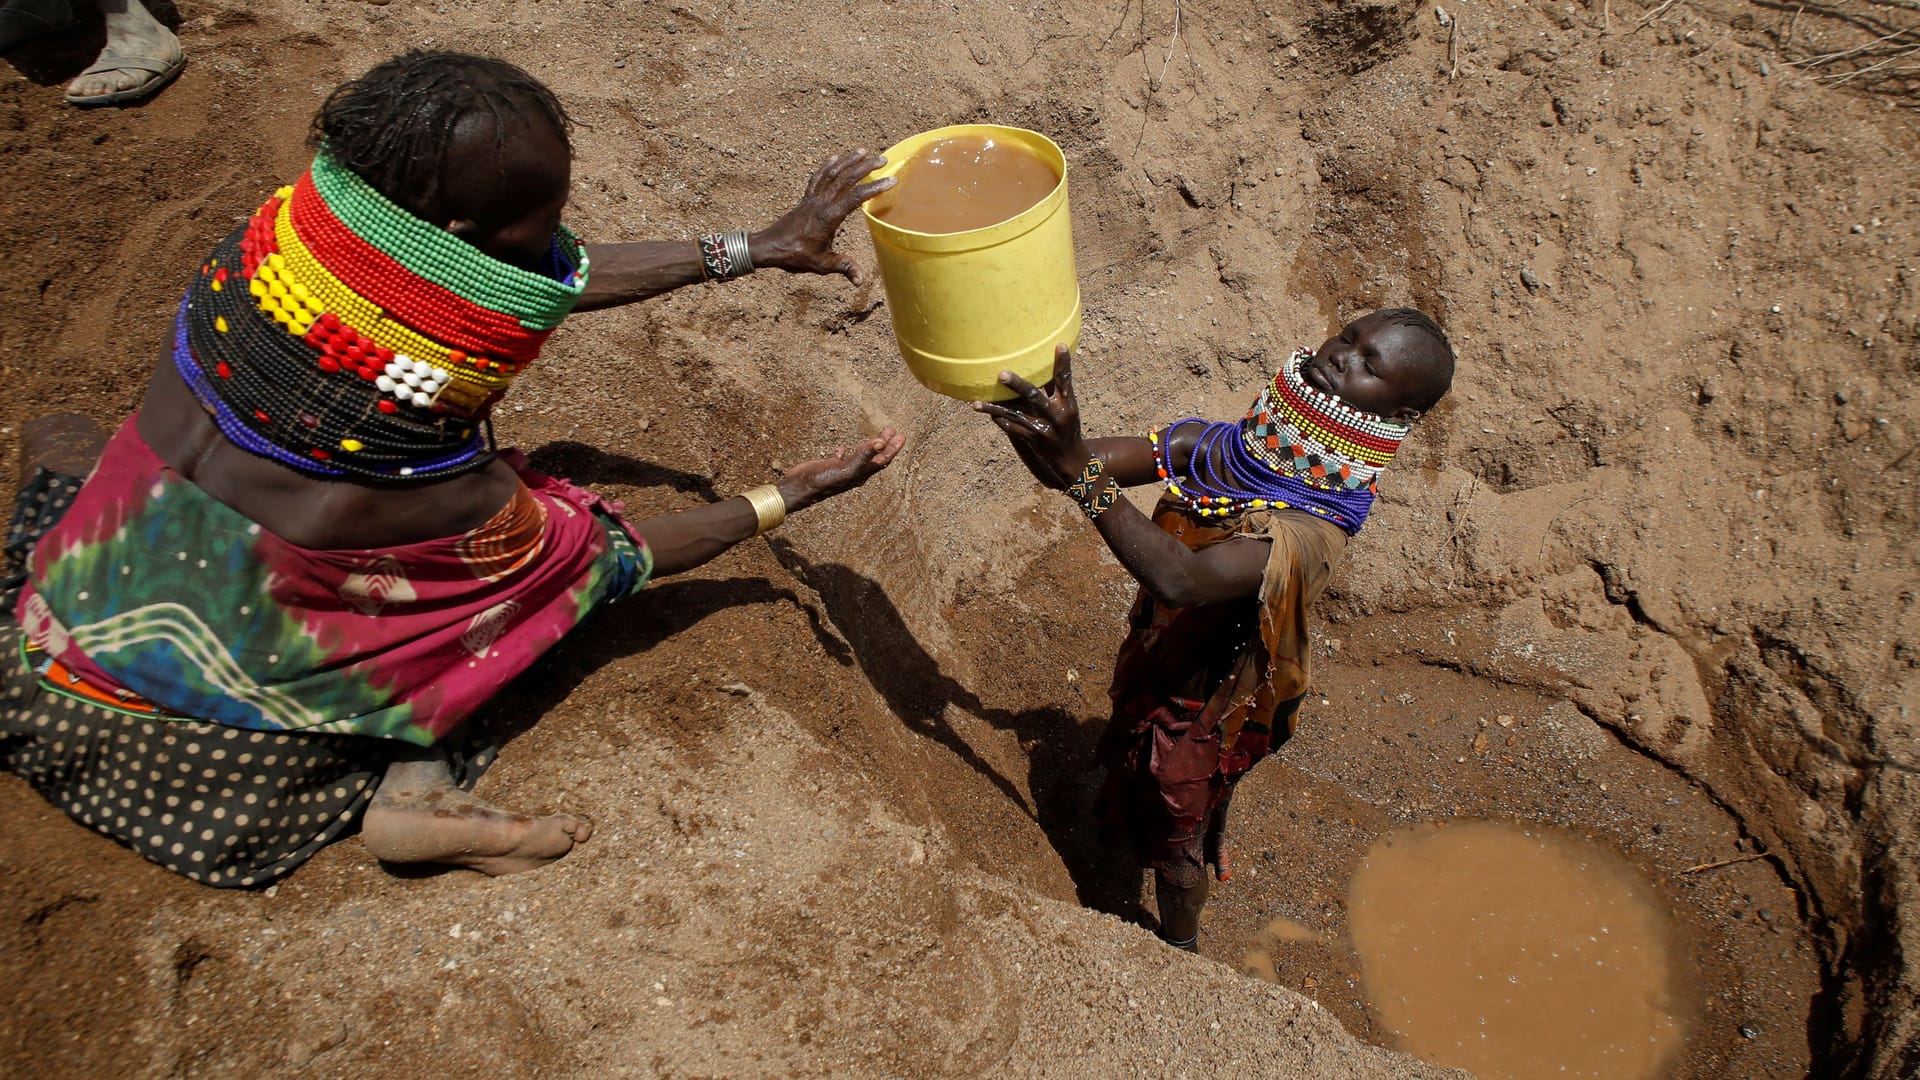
769 506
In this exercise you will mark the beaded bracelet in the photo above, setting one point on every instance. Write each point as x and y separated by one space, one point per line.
724 255
1102 502
1078 490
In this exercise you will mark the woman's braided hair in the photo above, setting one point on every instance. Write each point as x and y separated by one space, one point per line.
393 126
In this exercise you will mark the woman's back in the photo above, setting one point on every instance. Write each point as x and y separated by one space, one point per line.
308 511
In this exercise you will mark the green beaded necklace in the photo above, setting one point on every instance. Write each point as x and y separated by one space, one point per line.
536 300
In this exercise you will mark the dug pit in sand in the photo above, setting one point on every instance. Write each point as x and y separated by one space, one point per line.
1516 951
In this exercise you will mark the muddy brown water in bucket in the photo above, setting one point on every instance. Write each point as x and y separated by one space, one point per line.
1514 951
966 182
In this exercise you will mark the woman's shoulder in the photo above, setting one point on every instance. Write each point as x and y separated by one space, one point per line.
308 511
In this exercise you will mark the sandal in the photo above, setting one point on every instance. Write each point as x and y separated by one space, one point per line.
30 20
159 72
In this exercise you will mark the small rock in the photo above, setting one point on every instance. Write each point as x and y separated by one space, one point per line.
1708 391
1532 282
737 689
1503 721
1748 1032
1841 397
1858 229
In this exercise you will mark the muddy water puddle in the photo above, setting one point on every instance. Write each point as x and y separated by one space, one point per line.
1366 766
1514 951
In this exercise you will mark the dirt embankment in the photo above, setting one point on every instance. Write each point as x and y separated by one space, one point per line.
1663 525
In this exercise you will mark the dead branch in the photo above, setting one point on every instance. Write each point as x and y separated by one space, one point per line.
1723 862
1172 39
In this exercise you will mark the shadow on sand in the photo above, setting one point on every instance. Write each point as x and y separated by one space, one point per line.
863 628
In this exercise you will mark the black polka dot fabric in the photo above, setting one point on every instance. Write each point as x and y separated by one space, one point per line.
43 499
221 805
224 806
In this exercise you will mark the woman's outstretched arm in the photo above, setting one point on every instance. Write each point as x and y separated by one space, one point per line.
685 539
800 242
1044 426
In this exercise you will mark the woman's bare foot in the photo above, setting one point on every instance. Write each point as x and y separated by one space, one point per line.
419 816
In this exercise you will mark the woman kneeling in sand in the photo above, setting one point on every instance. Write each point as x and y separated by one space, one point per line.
301 566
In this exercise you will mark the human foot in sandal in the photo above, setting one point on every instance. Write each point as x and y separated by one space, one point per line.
140 57
22 21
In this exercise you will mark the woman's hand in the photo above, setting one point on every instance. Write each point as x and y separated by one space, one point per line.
802 240
1043 425
811 481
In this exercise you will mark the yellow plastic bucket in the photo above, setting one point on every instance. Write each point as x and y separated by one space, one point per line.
969 305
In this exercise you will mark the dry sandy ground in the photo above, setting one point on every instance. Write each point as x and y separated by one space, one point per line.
1664 523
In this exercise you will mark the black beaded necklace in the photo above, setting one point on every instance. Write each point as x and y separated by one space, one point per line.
270 397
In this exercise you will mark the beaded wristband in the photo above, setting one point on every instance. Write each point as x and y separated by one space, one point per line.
769 507
724 255
1102 502
1079 489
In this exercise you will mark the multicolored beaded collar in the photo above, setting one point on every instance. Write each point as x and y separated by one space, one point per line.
340 335
1298 448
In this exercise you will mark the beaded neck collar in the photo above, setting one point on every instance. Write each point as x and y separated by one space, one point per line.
343 337
1315 437
1296 449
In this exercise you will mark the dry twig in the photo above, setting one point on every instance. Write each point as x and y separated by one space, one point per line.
1651 16
1172 39
1452 23
1723 862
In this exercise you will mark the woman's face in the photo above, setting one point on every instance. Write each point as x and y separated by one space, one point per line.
1371 364
504 191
